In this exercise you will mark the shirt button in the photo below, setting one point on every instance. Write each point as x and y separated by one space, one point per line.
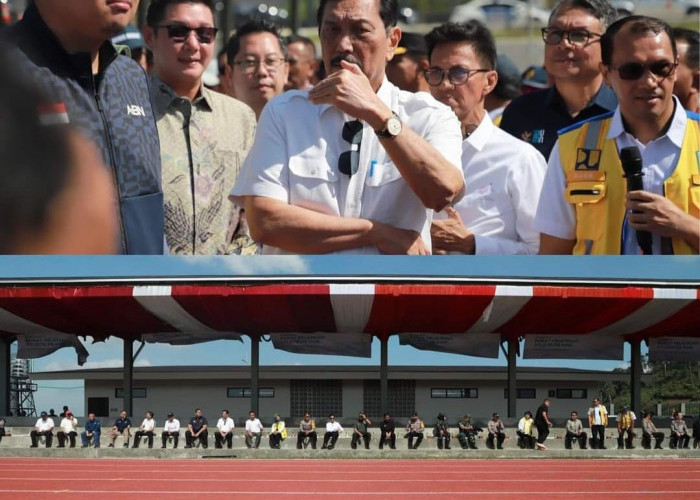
313 171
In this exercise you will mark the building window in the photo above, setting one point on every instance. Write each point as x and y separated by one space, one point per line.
244 392
318 397
522 393
402 398
138 392
454 393
572 393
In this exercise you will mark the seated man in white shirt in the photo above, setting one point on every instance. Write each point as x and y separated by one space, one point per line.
147 428
69 430
44 427
171 430
223 431
333 430
253 431
588 204
504 174
370 163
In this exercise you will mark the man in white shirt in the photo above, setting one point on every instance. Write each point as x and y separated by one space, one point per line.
333 430
597 421
171 430
504 174
253 431
586 206
69 430
147 428
223 431
43 427
370 163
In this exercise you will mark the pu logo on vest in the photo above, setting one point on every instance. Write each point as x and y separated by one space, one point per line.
134 110
587 159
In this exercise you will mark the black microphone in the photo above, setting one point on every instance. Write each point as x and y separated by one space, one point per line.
631 160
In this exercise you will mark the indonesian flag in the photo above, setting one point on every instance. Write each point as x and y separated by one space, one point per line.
53 114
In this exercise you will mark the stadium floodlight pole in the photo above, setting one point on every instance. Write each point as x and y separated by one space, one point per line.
5 344
128 401
384 373
636 376
513 345
254 372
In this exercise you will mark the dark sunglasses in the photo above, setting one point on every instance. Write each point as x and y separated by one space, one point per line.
457 75
580 37
633 71
180 32
349 161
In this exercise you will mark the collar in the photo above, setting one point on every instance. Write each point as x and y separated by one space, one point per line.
481 134
164 95
79 63
605 98
675 133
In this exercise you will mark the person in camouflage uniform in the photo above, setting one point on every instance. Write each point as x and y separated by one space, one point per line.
467 433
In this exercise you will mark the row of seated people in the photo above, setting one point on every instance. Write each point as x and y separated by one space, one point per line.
197 432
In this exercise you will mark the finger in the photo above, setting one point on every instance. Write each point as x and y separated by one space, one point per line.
354 68
450 212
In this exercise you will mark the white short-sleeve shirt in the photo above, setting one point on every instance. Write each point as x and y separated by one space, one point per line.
225 425
294 159
557 217
253 425
504 178
148 424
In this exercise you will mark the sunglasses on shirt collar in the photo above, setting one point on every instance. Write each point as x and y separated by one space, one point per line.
349 161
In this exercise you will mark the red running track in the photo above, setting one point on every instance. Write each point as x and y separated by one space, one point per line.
107 479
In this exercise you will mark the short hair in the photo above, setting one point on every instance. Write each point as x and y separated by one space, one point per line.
32 177
388 11
528 413
602 10
224 411
308 42
639 25
692 38
472 32
253 26
151 414
156 9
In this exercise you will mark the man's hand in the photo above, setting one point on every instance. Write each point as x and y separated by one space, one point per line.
395 241
450 235
349 90
657 214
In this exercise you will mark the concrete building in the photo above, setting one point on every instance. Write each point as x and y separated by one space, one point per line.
343 390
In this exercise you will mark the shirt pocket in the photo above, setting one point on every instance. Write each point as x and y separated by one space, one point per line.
381 173
589 199
313 184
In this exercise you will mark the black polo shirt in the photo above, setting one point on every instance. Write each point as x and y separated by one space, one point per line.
536 117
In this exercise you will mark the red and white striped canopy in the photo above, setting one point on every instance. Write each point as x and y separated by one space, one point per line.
130 311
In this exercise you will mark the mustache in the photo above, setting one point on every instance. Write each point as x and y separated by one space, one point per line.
335 61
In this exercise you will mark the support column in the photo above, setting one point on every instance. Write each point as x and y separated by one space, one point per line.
512 372
254 372
128 402
5 343
294 16
636 375
384 374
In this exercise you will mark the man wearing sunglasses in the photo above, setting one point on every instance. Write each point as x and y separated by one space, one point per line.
572 59
354 164
64 47
204 135
585 207
504 174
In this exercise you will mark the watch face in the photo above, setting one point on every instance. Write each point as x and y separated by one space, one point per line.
393 126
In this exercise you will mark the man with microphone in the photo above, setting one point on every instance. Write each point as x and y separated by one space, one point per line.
592 200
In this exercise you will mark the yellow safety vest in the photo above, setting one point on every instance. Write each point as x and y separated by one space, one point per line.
596 186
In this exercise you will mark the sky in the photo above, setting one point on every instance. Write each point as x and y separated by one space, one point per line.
56 394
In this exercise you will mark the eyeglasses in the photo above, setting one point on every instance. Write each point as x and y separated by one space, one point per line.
553 36
457 75
250 65
180 32
349 161
633 71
